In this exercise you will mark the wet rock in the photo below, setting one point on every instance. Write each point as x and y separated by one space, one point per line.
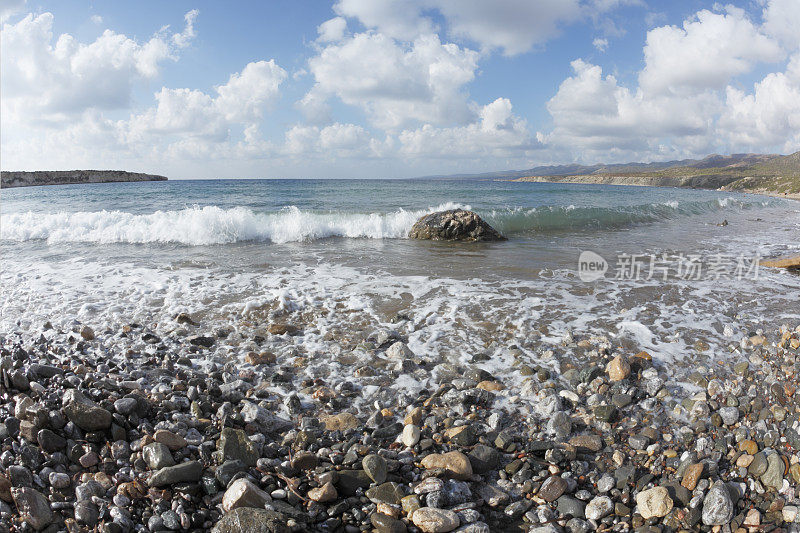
552 488
569 506
87 513
455 224
386 524
375 467
202 341
233 444
157 456
33 507
188 472
87 333
266 421
325 493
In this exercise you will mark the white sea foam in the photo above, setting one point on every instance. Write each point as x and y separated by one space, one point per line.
208 225
211 225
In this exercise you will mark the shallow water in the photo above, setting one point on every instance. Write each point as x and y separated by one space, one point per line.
333 256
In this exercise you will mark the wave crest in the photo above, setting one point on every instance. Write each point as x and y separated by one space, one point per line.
197 226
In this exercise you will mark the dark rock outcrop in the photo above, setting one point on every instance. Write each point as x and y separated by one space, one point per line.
71 177
454 225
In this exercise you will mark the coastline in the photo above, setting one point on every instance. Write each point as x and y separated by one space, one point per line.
12 179
668 183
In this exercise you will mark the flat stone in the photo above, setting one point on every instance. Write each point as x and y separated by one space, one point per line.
340 422
432 520
188 472
569 506
171 440
593 443
233 444
305 461
455 463
483 459
33 507
773 476
325 493
85 413
267 421
654 502
244 493
375 467
552 488
125 406
387 524
692 475
718 506
250 520
390 493
349 481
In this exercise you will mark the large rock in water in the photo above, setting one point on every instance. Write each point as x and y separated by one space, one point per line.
454 225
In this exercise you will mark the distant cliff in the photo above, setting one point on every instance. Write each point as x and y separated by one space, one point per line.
758 173
69 177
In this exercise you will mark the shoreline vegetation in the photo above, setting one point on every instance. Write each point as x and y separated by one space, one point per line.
9 179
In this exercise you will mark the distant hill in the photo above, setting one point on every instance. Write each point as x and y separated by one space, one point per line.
761 173
70 177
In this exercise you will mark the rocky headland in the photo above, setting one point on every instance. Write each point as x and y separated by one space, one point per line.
10 179
131 428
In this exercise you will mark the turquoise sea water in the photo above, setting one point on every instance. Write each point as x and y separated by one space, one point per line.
335 252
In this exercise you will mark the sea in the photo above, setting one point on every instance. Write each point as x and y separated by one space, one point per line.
674 272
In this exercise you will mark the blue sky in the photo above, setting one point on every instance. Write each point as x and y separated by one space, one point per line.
383 88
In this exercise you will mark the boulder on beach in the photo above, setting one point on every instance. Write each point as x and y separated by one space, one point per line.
454 225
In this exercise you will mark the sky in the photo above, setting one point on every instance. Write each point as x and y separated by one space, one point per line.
391 88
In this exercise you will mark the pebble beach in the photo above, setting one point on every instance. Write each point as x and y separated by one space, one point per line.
145 439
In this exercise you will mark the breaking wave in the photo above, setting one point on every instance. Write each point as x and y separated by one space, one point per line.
215 225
